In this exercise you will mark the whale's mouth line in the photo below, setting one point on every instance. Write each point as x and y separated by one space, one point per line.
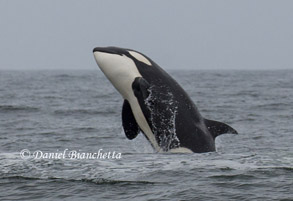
109 50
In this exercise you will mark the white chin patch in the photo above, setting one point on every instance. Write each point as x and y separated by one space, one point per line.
140 57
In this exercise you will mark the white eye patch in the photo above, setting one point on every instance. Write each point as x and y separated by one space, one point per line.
139 57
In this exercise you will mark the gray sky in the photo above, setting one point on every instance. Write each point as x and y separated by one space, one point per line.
219 34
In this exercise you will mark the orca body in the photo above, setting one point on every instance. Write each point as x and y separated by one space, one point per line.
156 104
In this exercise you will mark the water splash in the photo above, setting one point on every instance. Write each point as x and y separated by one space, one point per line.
163 111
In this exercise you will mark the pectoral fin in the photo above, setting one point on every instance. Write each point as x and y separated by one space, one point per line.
129 123
217 128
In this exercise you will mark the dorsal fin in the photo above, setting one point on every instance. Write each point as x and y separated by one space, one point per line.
217 128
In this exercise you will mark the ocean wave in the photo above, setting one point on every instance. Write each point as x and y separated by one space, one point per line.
273 106
12 108
87 129
75 75
82 111
232 177
285 168
99 181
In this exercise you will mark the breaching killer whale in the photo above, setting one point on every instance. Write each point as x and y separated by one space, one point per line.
155 104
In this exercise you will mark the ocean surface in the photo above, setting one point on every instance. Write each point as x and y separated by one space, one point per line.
61 138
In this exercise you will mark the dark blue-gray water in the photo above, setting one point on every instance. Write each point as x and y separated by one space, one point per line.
57 111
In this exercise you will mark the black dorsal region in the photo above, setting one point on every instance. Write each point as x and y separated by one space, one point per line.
217 128
129 123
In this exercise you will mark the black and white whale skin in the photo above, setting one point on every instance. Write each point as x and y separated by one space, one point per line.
156 105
